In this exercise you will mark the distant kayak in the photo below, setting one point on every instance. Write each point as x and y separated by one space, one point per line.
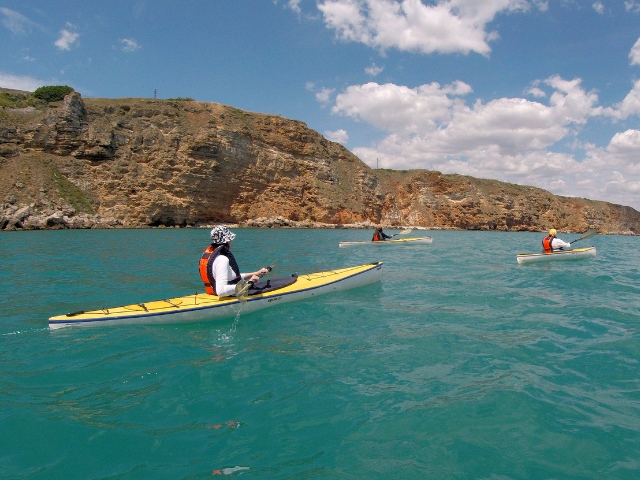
399 241
575 254
201 306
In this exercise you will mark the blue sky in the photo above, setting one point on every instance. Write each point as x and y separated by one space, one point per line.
542 93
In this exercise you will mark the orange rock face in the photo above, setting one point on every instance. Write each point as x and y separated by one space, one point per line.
154 162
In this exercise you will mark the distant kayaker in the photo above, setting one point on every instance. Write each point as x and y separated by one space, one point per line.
551 243
218 268
379 235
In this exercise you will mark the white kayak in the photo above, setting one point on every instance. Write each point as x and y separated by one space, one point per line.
399 241
575 254
201 306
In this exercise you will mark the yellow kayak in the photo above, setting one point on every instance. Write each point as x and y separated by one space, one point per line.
201 306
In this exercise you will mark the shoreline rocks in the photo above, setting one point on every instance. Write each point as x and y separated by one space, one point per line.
26 217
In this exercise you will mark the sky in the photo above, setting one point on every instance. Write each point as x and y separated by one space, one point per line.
534 92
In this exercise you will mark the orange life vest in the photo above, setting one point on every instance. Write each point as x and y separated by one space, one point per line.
546 244
206 262
205 271
377 236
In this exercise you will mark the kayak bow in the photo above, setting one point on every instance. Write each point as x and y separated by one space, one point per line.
399 241
575 254
201 306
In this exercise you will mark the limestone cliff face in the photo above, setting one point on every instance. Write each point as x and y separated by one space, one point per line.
159 162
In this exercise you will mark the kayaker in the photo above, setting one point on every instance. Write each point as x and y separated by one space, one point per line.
379 235
218 268
551 243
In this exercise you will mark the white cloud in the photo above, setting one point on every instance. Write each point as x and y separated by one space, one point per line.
324 95
626 144
634 54
629 106
445 26
15 22
632 6
66 39
397 108
339 136
571 102
543 6
28 84
373 70
598 7
129 45
536 92
295 6
509 139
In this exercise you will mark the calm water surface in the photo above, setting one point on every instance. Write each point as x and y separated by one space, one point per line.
460 363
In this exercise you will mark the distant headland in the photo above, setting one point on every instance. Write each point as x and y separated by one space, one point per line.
135 163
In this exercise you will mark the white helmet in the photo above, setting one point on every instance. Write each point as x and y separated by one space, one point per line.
221 234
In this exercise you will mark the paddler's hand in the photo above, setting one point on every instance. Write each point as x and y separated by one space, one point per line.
258 275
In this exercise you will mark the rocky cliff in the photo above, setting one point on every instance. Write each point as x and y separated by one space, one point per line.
84 163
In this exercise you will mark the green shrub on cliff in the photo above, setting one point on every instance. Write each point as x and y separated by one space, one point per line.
52 93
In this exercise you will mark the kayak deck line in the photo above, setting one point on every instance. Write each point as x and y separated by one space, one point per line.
202 306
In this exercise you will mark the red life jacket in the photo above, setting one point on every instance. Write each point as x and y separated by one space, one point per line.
206 262
377 237
546 244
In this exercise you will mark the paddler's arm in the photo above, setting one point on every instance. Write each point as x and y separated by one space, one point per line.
221 274
254 276
561 244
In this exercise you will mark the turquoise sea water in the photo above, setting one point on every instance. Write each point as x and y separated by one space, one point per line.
460 363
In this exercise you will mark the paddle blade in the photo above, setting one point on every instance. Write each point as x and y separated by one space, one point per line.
242 290
588 234
405 232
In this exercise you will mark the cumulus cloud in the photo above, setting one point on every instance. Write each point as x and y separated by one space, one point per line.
629 106
324 95
129 45
435 126
373 70
398 108
634 54
626 144
446 26
536 92
25 83
67 39
339 136
15 22
598 7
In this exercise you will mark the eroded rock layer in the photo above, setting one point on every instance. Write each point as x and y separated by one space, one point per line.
86 163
